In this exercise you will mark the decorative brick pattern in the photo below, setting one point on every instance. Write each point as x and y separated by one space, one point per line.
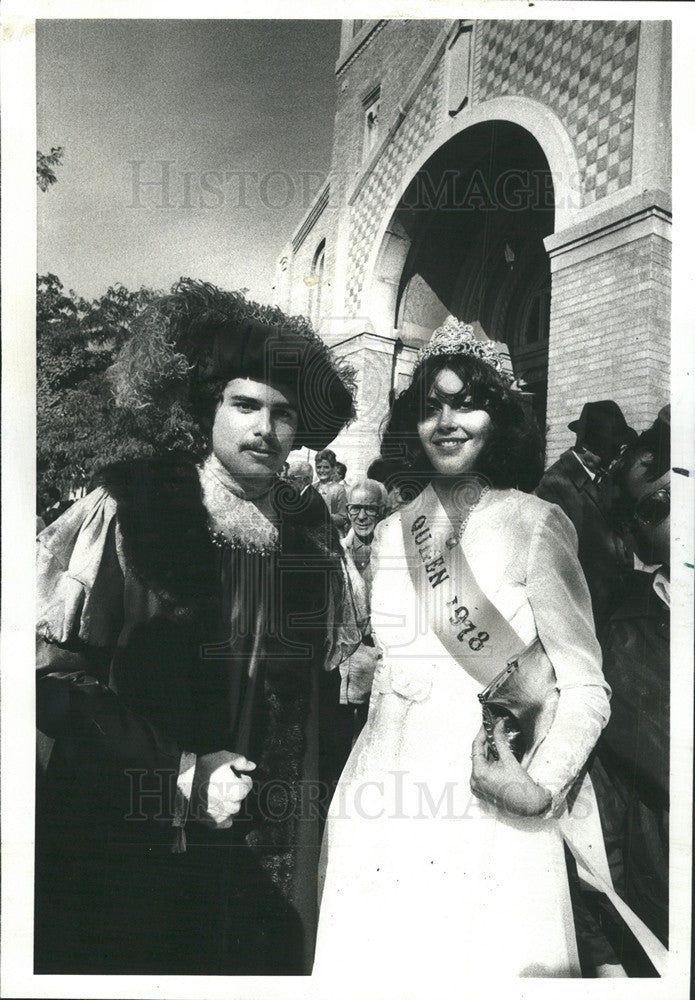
414 133
584 70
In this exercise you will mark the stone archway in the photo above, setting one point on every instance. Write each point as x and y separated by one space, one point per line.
533 117
466 237
381 352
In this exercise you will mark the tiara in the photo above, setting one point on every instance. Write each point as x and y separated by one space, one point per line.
455 337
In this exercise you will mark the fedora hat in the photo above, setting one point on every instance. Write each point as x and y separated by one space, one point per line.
602 429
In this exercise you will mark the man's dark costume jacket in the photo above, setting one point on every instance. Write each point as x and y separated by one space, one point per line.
111 895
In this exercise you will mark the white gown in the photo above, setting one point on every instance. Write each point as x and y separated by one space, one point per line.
424 883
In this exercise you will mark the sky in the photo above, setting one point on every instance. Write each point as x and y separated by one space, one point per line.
191 148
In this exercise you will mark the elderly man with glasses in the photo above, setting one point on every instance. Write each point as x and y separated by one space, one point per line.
367 505
367 502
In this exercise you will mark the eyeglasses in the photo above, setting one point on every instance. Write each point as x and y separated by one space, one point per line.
653 509
369 509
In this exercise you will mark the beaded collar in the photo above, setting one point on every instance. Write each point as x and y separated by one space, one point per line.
233 520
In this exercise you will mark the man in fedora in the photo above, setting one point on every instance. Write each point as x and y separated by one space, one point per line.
633 751
580 483
630 769
189 611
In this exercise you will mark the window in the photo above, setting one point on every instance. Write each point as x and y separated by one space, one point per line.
459 68
371 123
537 323
315 284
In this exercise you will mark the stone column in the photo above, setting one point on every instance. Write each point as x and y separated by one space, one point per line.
610 315
372 355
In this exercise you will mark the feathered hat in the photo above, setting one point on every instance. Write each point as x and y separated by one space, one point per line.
216 335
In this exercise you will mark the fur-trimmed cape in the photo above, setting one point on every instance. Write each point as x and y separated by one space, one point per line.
167 542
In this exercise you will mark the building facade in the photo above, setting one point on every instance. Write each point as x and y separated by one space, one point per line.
515 174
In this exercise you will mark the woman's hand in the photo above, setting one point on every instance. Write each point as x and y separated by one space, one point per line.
504 782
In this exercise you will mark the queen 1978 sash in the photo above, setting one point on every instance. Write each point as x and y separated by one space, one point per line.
481 640
467 624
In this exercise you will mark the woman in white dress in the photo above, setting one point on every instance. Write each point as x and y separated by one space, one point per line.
440 861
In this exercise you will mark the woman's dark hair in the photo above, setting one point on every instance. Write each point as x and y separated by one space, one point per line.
513 455
326 456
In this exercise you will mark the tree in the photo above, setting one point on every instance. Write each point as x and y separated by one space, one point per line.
79 427
45 162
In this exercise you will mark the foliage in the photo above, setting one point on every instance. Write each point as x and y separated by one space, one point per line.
45 162
79 427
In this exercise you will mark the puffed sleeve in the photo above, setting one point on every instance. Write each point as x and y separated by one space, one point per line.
80 586
80 575
559 599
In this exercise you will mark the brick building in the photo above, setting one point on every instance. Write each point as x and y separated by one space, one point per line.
515 174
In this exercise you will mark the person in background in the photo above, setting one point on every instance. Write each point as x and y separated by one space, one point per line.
367 505
339 475
301 475
580 484
334 495
631 769
54 506
338 728
390 474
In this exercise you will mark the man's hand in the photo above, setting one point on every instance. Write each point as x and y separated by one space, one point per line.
218 790
504 782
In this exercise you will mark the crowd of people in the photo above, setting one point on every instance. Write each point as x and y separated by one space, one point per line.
256 675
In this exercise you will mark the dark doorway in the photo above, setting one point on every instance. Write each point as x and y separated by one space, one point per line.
475 216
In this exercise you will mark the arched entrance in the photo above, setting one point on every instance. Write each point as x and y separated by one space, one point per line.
467 238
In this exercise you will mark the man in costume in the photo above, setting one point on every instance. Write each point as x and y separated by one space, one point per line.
188 615
578 483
